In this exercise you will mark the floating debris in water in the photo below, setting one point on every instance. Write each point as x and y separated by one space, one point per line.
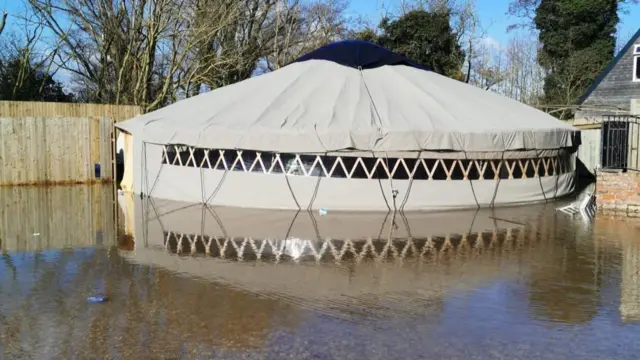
323 212
36 234
97 299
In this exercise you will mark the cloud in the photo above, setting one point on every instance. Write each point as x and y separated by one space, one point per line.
491 43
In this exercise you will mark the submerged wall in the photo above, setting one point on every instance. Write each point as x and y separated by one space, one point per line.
34 218
618 193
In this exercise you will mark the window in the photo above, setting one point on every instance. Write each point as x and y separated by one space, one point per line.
636 63
375 168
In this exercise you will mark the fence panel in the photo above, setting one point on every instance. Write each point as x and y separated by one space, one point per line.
589 150
48 109
61 150
57 143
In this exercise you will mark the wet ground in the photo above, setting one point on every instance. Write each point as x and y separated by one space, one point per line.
207 283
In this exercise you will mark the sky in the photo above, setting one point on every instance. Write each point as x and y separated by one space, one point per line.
492 15
493 18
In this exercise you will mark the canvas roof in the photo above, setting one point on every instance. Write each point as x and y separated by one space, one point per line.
322 104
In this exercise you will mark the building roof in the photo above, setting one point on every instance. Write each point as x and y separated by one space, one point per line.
609 67
326 102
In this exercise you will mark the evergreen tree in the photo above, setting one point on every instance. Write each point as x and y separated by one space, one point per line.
578 41
424 37
22 81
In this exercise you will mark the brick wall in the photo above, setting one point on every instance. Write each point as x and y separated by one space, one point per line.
618 193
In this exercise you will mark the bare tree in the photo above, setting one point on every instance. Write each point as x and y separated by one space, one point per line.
486 67
524 75
577 74
153 52
25 64
524 78
132 51
510 70
307 27
23 50
622 40
525 10
3 21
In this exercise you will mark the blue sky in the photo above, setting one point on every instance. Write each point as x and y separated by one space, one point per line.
493 16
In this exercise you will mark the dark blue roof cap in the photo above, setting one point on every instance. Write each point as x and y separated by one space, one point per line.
358 54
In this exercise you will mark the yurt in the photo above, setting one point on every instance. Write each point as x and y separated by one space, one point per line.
350 126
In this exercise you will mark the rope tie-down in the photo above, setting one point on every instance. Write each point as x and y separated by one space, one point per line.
495 192
466 158
411 178
394 192
293 195
317 187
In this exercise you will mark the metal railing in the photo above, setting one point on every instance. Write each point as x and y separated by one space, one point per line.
620 142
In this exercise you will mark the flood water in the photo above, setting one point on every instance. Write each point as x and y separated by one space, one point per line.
193 282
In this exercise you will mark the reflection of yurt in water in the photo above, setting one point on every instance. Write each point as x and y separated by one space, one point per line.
404 262
350 126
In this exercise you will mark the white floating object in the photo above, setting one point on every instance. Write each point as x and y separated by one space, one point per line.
585 206
323 212
36 234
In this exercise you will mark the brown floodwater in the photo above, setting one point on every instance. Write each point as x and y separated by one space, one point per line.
194 282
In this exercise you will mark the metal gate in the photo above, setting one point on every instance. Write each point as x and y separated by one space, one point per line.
620 140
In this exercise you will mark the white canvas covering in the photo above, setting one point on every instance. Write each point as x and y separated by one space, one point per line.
319 106
243 145
231 185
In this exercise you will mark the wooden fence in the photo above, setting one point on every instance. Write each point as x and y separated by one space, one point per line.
589 150
37 218
57 143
